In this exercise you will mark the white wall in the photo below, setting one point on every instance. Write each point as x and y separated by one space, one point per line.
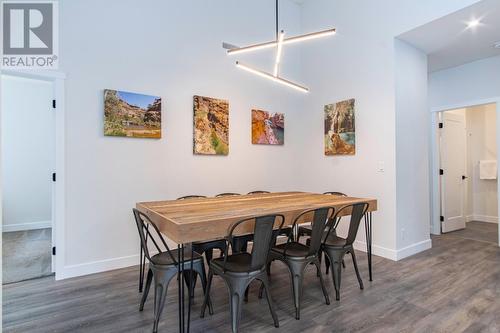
359 62
173 50
470 82
481 145
27 152
412 149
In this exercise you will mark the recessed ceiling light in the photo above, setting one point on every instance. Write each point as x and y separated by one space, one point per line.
473 23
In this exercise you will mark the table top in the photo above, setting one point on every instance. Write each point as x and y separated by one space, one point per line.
202 219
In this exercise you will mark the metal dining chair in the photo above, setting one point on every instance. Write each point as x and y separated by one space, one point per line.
336 247
163 266
306 229
238 270
298 256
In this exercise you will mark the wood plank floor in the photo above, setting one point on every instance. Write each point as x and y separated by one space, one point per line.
481 231
454 287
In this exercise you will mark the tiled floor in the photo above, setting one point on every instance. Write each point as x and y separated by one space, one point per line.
26 255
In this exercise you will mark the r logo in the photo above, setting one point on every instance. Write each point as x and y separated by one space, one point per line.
27 28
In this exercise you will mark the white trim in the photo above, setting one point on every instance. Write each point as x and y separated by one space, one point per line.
377 250
466 104
395 255
414 249
27 226
97 266
482 218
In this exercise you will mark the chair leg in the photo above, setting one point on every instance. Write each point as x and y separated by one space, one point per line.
162 279
142 265
207 293
297 273
318 267
336 260
146 289
200 269
237 289
321 281
356 269
265 285
327 264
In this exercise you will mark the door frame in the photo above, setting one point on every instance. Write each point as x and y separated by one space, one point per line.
58 196
435 158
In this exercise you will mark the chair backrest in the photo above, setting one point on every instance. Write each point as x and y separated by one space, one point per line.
319 223
264 238
357 211
339 194
228 194
258 192
191 197
145 228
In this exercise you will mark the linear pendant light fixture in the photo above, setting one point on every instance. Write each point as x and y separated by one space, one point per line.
278 43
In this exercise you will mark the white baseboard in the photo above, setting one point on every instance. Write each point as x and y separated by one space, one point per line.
395 255
97 266
413 249
483 218
26 226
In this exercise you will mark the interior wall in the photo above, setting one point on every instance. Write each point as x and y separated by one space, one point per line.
482 195
460 85
359 62
173 50
412 149
27 152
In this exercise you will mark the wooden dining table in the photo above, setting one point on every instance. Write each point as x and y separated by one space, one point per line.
204 219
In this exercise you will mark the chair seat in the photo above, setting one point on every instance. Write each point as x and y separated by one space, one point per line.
164 259
335 241
293 249
238 263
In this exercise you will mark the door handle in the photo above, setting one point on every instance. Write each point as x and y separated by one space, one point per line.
464 177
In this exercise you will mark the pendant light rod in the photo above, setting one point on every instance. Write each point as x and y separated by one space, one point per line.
271 77
290 40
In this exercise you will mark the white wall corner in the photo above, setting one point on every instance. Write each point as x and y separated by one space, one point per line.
377 250
413 249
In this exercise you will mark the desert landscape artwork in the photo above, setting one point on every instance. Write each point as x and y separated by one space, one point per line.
268 129
132 115
211 126
340 133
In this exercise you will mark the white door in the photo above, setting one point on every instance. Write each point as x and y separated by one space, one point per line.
453 164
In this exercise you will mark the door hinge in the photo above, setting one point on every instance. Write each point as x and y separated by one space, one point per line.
440 125
53 250
53 176
441 172
441 218
54 103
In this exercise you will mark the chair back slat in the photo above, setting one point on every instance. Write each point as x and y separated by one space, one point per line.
227 194
258 192
144 227
264 237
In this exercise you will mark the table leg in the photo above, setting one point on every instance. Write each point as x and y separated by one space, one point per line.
368 231
179 283
191 278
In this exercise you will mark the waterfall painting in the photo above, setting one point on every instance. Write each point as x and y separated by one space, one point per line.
211 126
268 129
340 131
131 115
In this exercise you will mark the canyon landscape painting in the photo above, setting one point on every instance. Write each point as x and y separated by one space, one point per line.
211 126
268 129
340 133
131 115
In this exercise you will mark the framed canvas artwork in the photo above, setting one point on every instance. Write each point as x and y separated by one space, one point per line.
131 115
267 128
211 126
340 133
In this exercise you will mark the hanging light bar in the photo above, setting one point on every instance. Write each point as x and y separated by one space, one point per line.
278 52
291 40
271 77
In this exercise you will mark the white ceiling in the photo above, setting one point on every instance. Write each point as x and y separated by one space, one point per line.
449 43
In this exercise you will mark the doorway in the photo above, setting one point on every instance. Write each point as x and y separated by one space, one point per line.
467 146
28 164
